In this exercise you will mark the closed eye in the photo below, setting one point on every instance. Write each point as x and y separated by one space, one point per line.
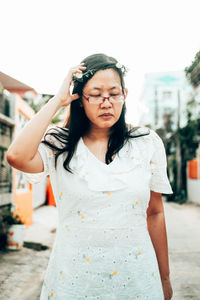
100 95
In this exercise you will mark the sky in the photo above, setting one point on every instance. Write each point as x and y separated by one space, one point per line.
42 39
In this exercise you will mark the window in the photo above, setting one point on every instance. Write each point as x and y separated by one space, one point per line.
166 95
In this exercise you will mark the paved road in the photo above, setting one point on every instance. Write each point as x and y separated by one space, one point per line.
22 272
183 227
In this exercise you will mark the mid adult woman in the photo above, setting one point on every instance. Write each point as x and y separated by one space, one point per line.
108 179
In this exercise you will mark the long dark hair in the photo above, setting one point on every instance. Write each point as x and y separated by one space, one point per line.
78 124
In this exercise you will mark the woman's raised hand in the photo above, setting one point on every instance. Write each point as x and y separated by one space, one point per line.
64 95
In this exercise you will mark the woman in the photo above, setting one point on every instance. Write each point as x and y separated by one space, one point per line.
108 179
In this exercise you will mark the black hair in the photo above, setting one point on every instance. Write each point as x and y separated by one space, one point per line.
78 124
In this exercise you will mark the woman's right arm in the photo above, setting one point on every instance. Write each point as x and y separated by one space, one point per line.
23 152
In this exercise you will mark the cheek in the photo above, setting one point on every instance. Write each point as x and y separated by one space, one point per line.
90 111
118 111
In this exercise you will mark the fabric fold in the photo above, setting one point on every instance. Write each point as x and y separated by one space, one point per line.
98 175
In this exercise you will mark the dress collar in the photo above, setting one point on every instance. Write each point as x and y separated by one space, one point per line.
98 175
123 152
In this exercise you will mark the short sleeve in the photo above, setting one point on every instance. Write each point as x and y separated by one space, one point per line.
38 177
55 136
159 180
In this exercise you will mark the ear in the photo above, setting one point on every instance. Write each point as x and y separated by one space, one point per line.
125 93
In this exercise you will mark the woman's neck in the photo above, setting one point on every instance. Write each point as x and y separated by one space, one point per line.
98 134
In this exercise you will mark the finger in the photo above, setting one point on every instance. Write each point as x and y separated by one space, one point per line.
75 96
77 71
78 67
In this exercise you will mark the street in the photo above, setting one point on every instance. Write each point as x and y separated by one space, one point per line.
22 272
183 227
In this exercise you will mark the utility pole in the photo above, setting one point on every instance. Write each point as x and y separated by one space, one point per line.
178 148
156 106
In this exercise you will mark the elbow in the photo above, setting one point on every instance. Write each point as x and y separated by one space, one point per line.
10 158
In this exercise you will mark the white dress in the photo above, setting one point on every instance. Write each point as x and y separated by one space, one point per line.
102 249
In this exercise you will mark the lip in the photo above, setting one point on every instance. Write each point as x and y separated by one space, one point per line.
106 115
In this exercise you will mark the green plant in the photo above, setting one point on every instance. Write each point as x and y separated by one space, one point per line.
3 234
7 218
44 99
193 71
10 219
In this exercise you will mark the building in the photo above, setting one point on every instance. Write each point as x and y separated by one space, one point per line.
164 97
15 112
6 132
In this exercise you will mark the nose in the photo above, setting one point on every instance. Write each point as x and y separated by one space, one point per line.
106 103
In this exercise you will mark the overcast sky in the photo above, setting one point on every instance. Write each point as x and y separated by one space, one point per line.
42 39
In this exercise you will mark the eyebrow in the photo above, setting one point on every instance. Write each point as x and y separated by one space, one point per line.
112 88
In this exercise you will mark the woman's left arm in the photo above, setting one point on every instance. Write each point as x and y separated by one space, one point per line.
157 231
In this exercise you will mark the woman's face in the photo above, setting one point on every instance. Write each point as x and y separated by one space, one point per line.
104 83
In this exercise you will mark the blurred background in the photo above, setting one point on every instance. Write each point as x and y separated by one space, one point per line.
157 40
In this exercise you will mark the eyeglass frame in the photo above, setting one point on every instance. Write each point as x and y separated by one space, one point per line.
104 98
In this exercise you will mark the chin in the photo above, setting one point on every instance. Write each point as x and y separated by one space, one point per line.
103 123
106 124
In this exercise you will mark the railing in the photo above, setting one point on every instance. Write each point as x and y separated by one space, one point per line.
4 105
5 169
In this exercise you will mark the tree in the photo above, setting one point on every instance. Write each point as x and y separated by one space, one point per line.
193 71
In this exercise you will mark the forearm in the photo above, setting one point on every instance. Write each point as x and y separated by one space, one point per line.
157 231
26 143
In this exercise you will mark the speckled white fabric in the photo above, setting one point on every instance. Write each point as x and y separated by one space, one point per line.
103 249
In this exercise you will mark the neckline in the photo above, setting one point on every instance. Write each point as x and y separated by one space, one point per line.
94 156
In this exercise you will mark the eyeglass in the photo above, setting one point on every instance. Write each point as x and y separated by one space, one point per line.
100 99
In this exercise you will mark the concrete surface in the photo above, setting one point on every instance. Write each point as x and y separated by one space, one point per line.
22 272
183 227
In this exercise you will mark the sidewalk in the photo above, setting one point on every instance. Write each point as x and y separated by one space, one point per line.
22 272
183 227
